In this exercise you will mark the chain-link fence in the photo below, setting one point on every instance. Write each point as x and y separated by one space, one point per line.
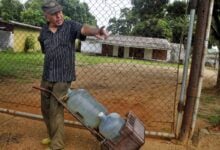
125 72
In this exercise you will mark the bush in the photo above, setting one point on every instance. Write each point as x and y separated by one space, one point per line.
29 43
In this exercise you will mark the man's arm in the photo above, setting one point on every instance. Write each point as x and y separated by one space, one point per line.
41 42
99 33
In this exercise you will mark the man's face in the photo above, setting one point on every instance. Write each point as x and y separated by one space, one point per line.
55 19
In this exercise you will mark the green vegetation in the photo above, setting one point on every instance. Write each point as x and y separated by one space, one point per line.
92 60
29 43
20 65
152 18
29 65
31 12
214 120
210 107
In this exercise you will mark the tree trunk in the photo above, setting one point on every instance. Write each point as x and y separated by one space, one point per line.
218 77
196 70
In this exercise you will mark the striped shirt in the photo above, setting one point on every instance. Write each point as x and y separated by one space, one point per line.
59 50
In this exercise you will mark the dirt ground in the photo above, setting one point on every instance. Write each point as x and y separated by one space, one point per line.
148 91
25 134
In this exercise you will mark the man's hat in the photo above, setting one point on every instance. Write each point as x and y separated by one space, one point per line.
52 7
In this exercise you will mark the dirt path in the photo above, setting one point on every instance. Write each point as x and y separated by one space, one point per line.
24 134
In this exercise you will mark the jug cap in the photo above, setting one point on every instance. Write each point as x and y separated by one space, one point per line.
101 114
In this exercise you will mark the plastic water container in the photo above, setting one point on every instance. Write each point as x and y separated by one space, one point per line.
111 125
85 106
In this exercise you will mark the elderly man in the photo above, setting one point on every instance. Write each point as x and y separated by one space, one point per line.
57 43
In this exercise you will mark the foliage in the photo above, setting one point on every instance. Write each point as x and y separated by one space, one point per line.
215 120
22 64
153 28
177 9
145 9
178 21
33 17
123 25
29 43
10 10
207 110
152 18
33 13
77 11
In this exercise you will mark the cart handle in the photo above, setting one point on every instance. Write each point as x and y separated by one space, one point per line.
95 133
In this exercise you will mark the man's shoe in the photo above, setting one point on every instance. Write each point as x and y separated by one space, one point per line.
46 141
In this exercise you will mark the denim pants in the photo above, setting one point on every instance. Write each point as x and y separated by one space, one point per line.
53 111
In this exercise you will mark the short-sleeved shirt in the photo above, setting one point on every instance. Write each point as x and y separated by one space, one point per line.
59 50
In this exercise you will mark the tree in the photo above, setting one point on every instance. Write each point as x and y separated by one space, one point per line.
145 9
33 13
178 21
10 10
124 24
216 34
152 18
72 9
77 11
145 18
150 22
153 28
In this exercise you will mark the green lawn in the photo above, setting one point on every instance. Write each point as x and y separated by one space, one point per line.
210 106
20 65
29 65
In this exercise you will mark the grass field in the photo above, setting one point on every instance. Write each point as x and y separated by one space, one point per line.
30 64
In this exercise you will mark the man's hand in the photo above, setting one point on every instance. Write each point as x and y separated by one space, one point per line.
102 33
99 33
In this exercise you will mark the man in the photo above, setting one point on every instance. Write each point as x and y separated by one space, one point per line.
57 43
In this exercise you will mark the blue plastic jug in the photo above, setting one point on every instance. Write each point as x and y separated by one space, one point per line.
85 106
111 125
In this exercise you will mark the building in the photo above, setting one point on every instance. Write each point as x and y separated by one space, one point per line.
212 57
13 35
132 47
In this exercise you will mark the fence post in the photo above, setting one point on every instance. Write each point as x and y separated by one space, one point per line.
193 5
196 69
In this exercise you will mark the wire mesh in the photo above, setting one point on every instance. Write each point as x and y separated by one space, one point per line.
124 72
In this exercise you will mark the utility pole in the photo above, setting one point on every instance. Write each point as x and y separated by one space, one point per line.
196 69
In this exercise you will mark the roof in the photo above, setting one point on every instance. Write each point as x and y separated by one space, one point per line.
19 24
134 41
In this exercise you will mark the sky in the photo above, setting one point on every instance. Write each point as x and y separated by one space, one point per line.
103 10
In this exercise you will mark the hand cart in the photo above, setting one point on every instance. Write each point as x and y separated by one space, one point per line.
132 134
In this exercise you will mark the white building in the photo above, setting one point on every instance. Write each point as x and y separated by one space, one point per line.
133 47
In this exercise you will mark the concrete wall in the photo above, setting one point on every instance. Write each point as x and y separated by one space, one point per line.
148 53
126 52
6 40
115 51
91 47
169 55
20 35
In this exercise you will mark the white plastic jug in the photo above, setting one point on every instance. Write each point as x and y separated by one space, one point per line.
85 106
111 125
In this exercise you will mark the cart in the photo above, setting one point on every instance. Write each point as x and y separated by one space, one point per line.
132 135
